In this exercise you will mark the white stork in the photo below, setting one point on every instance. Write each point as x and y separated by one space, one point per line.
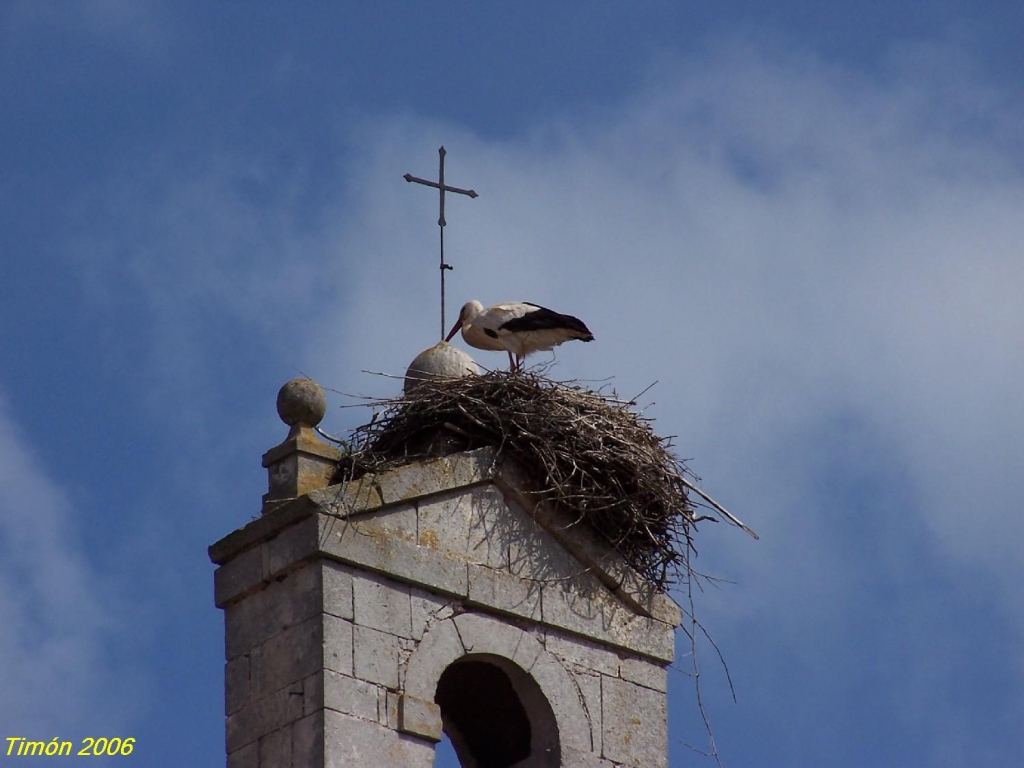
519 328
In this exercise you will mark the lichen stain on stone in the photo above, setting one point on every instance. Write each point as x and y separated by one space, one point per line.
430 539
628 736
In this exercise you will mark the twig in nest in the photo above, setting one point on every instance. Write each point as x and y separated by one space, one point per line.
718 507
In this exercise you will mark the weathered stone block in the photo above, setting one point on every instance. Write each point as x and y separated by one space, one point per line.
488 542
645 673
259 530
635 722
338 642
353 742
435 476
245 757
427 609
583 655
276 748
367 547
395 522
575 727
382 604
413 481
313 692
466 522
336 582
533 553
589 686
440 646
390 713
587 547
584 606
236 683
282 604
578 606
503 592
376 657
238 577
419 717
641 594
308 741
484 634
287 657
443 522
351 696
260 716
471 467
300 464
289 547
347 498
576 758
648 637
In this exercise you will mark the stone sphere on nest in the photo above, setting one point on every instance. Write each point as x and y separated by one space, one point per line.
441 361
301 401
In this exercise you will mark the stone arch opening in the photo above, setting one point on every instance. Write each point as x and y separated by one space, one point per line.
496 715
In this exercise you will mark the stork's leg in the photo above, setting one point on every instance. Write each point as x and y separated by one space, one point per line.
511 362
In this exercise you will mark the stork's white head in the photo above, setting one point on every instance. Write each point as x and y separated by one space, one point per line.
469 311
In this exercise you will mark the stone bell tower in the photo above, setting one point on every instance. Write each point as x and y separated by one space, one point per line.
362 619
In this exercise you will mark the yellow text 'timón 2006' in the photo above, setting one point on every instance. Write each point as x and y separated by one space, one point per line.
20 746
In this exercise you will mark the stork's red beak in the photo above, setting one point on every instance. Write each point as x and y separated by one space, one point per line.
455 329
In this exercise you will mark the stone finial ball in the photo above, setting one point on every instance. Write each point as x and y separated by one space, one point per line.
301 401
441 361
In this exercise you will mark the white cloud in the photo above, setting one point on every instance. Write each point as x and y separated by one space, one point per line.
58 619
824 272
779 241
822 269
208 260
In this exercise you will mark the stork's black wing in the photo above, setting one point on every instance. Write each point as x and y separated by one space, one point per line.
544 319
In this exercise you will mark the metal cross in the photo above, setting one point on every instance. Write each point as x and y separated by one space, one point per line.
442 188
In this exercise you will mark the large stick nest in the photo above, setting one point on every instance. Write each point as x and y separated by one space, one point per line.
586 451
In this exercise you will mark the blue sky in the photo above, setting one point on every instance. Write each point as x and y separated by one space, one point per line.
803 221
